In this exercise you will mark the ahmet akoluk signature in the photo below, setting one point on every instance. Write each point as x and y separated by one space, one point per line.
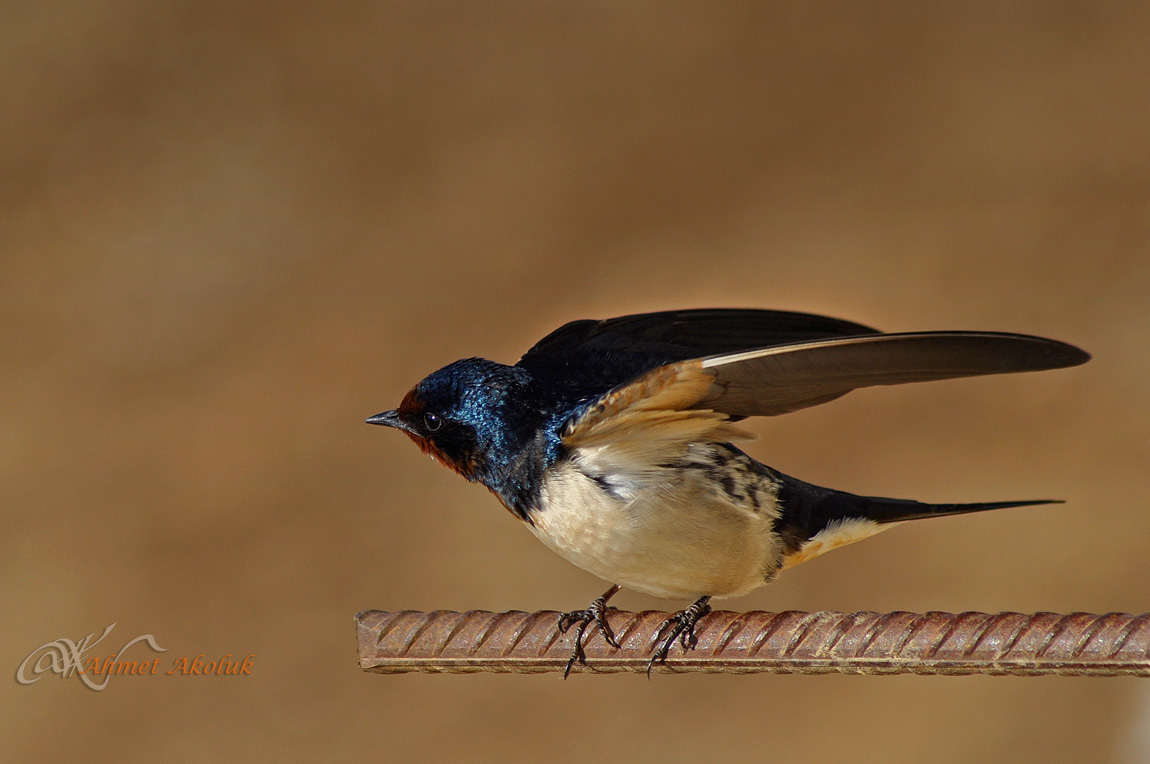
67 658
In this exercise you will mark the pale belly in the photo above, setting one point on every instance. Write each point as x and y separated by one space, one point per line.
681 536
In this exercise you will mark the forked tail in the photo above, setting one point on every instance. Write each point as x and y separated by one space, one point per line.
815 520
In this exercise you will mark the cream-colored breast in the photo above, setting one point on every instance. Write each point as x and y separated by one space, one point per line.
676 534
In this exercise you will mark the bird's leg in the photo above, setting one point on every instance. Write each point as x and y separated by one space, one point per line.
597 612
683 624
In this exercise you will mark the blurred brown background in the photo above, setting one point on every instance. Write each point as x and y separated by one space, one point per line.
229 234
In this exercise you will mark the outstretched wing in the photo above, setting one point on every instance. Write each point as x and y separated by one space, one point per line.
587 358
708 391
777 380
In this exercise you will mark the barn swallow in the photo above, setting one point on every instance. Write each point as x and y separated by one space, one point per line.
612 442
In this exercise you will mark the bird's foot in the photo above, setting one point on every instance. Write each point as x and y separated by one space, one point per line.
597 612
682 628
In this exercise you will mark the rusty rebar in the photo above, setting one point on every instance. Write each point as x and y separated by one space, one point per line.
783 643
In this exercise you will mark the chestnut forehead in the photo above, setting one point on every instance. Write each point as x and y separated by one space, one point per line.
412 403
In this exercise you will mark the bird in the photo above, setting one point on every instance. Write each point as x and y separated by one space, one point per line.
613 442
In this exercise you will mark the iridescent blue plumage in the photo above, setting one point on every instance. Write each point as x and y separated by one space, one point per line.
488 426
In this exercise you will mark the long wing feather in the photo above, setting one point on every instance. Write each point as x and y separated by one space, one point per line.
776 380
694 333
588 357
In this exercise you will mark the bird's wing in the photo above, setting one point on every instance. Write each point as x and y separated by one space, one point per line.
776 380
629 432
698 332
588 357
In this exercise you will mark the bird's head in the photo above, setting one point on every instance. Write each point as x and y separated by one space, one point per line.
459 415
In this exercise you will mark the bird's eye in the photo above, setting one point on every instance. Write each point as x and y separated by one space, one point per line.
432 421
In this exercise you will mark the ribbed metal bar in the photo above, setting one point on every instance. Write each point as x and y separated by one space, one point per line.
783 643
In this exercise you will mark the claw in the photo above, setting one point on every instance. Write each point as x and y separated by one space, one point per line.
683 629
597 612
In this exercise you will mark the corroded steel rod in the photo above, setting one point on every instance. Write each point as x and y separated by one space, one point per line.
783 643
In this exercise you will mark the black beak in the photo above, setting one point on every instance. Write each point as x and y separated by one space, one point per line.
389 419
